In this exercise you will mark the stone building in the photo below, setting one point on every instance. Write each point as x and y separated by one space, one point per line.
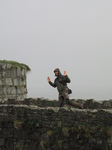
13 80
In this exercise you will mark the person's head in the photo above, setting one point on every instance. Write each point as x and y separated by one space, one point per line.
57 72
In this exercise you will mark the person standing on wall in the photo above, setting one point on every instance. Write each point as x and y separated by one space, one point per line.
61 83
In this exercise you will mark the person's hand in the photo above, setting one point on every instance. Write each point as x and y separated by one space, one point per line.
65 73
48 79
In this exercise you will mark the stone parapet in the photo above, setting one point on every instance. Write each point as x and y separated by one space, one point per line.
41 102
28 126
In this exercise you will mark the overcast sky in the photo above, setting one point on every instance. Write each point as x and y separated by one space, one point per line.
73 35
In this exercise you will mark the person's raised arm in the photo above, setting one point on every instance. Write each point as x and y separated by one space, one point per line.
66 76
49 81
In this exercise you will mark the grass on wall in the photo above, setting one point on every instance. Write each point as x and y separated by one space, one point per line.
15 64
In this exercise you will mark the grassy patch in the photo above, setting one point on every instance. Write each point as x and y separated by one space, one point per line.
15 64
18 124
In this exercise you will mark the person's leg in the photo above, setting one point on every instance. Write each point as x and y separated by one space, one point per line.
68 101
61 101
75 104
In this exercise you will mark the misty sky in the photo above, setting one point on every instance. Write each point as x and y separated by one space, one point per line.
73 35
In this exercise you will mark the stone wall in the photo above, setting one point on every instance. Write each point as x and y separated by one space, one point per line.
12 82
41 102
35 124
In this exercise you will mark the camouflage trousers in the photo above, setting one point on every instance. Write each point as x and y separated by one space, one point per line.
64 98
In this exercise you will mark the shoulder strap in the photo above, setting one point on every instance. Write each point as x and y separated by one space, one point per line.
62 83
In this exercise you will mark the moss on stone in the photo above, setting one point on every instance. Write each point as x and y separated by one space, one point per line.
18 124
50 133
60 143
80 133
15 64
42 144
65 131
37 125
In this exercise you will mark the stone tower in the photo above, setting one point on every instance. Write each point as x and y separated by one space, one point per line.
13 80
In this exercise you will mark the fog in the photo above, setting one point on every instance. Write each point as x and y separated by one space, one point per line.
75 36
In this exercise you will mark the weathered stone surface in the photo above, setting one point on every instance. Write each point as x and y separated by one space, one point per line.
24 82
20 81
4 66
2 141
9 66
13 90
4 90
1 90
33 125
12 82
23 72
0 82
18 91
19 72
8 81
15 82
13 72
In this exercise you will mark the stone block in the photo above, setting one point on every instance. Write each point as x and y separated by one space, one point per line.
9 96
1 89
13 72
4 66
23 72
9 66
0 75
18 145
9 145
7 131
19 90
20 82
24 81
2 141
15 82
44 137
19 72
8 81
6 73
66 146
32 145
24 96
19 97
8 90
23 90
13 90
12 97
2 81
3 98
107 104
5 90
